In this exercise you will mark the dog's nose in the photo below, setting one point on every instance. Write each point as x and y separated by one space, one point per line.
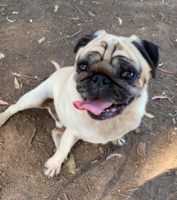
100 80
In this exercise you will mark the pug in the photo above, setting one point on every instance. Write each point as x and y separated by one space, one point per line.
99 99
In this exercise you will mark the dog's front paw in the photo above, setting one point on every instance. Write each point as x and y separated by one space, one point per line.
121 141
52 168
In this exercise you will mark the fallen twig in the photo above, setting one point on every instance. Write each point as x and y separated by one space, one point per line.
33 135
160 105
172 76
3 5
162 97
62 63
94 19
165 71
22 76
148 132
91 14
164 128
168 89
113 155
123 195
131 190
77 33
89 188
10 20
39 79
44 150
171 195
52 195
3 102
171 42
66 197
40 143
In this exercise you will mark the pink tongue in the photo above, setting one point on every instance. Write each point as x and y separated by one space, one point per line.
96 106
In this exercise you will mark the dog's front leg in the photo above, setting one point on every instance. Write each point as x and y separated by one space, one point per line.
53 165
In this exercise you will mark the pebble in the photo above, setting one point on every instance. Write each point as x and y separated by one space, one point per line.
176 173
4 14
168 172
137 131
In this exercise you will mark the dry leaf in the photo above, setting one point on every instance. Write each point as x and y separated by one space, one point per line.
2 55
149 115
71 165
16 84
162 97
57 66
56 8
113 155
41 40
3 102
173 133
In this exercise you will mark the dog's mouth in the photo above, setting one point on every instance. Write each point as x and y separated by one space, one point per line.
100 109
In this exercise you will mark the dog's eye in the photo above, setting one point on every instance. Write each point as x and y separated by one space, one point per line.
82 66
128 75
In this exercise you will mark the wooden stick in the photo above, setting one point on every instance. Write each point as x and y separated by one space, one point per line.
94 19
131 190
77 33
171 195
66 197
32 137
39 79
123 195
44 150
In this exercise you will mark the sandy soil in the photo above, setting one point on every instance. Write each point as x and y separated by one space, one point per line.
21 164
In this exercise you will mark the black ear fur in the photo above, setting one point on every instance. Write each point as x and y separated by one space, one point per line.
84 41
150 52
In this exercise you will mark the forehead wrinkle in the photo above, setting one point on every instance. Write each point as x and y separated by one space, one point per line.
92 58
119 53
88 48
130 52
100 50
109 50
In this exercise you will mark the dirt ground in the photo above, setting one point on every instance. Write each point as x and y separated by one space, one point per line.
21 164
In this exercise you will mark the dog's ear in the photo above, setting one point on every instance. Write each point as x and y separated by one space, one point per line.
150 52
86 39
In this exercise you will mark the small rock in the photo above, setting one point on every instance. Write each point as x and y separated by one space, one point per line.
137 131
168 172
176 173
141 149
4 14
101 150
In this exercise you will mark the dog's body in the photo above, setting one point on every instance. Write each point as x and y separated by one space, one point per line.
83 120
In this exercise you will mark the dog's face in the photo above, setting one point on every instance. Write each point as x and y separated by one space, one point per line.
111 72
